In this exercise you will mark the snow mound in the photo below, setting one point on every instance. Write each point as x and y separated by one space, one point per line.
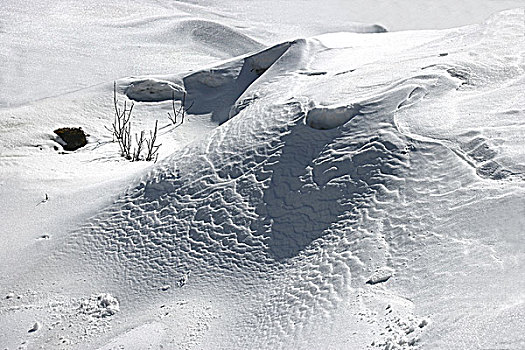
100 305
208 35
323 197
214 90
152 90
215 35
324 118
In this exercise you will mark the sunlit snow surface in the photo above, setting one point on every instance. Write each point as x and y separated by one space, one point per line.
342 191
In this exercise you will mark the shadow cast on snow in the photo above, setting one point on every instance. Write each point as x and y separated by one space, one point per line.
314 185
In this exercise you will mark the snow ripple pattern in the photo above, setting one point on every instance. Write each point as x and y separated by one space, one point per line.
294 199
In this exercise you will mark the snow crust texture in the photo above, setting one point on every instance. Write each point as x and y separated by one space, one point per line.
101 305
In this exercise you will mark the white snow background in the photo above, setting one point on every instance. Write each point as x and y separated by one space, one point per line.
333 185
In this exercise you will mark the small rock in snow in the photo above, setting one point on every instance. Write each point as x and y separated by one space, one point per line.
381 275
35 327
71 139
182 281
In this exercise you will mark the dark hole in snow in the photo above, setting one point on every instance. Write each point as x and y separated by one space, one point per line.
71 139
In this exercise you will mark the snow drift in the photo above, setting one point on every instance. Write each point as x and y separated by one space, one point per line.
354 196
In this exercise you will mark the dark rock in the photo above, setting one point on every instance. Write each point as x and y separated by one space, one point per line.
72 138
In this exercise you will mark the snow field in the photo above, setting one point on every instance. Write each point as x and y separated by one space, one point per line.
340 203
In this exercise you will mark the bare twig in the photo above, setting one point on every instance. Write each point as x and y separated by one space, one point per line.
121 131
138 149
121 127
125 142
173 118
181 111
151 147
44 200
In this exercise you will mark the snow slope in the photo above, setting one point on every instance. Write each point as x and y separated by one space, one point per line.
342 191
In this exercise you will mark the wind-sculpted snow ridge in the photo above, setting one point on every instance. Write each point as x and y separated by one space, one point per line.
185 31
213 90
304 205
252 202
336 206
